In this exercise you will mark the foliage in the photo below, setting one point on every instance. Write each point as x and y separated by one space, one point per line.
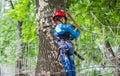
23 11
8 39
98 20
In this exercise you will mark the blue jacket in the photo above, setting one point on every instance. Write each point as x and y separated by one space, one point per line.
63 31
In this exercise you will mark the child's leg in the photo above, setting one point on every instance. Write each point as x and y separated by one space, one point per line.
72 65
66 64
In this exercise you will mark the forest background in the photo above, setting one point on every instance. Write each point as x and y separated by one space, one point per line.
99 42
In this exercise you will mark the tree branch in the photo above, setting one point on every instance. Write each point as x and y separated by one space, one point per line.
11 4
96 18
107 44
109 48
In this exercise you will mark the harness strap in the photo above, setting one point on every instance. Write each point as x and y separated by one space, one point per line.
58 49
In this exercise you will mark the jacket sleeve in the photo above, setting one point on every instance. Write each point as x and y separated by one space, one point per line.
62 28
74 32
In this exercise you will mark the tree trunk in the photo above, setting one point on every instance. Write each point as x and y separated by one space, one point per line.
47 58
115 58
0 71
20 47
117 69
2 7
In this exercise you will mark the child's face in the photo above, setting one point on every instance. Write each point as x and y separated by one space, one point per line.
63 20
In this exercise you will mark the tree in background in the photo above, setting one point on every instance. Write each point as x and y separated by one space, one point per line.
16 34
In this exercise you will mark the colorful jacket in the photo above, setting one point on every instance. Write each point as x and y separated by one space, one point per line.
63 31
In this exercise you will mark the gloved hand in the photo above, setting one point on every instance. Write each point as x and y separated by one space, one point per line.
77 30
72 26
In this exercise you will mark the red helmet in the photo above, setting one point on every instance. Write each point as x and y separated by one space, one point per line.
58 13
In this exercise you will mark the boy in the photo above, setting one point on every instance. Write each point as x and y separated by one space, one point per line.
64 35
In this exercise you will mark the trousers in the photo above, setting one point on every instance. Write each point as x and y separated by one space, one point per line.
67 57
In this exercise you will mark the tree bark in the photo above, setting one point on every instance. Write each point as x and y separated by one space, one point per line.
2 7
0 71
47 58
115 58
117 69
20 47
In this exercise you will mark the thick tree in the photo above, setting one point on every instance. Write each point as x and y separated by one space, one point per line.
47 57
20 49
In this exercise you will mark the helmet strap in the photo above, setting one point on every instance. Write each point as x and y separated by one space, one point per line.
58 19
